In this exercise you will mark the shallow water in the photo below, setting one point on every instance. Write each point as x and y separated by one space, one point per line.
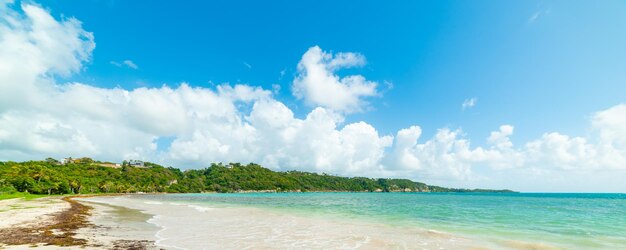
117 223
390 220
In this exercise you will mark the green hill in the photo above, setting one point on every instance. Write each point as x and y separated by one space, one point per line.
85 176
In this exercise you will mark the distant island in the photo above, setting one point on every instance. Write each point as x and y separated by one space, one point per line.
88 176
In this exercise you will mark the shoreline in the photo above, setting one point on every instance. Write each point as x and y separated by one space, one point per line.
57 229
190 225
159 221
68 222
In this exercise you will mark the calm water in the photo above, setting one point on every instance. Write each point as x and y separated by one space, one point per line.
571 221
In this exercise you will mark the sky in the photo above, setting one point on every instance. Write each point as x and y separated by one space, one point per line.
524 95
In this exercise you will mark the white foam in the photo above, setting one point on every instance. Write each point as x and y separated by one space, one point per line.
200 208
159 242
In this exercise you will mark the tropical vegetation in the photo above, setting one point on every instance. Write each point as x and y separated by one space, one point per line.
86 176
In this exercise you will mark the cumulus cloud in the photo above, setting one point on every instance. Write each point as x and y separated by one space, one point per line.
605 149
207 125
40 117
448 154
319 85
34 47
469 103
610 125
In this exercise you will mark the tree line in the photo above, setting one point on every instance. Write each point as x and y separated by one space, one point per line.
88 176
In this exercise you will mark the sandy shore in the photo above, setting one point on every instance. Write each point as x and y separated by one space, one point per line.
53 222
190 225
151 222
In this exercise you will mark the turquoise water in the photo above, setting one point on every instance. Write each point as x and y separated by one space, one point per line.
571 221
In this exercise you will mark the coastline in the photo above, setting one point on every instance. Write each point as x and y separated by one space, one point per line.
190 225
197 221
68 222
130 222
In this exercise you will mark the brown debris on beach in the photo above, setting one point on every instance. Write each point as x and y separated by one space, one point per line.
59 231
51 223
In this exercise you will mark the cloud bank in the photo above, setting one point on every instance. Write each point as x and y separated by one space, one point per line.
41 117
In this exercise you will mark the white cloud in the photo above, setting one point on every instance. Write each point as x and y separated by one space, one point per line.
610 124
445 156
561 151
208 125
125 63
40 117
501 138
130 64
605 149
469 103
319 85
33 48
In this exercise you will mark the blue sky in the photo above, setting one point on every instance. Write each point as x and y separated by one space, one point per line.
540 66
543 73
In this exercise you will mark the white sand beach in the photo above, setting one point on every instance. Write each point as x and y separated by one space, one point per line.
137 222
125 222
198 226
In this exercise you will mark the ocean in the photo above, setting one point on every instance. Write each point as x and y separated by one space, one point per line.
387 220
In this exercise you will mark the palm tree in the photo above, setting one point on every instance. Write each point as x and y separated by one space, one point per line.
106 186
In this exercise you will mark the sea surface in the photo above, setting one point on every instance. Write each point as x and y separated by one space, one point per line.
387 220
